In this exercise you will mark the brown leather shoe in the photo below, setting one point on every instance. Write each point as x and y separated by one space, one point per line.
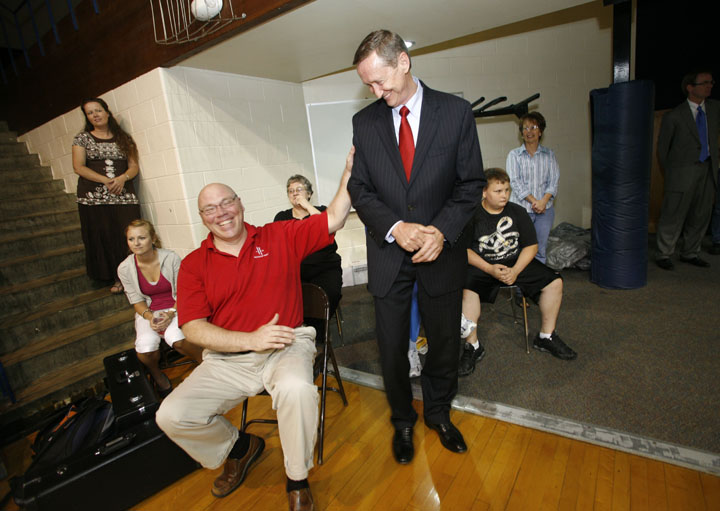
301 500
236 469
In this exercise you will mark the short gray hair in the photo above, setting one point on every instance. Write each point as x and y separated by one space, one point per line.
299 178
388 46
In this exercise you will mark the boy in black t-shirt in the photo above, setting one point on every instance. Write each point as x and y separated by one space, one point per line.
501 252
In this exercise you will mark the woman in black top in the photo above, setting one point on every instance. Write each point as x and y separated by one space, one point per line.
324 266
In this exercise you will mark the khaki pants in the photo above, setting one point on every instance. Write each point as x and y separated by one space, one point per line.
192 415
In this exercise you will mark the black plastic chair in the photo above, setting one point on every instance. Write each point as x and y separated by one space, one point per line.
316 313
339 321
5 385
170 357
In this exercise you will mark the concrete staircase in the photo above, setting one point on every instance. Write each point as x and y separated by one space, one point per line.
56 325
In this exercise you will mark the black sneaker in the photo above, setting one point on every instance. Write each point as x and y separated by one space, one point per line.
470 356
555 347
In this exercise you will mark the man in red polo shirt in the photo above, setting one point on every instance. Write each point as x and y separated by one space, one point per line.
240 298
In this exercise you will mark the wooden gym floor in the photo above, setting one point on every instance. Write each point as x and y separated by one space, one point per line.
507 467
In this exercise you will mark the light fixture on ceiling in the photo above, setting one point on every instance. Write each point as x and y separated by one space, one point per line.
409 44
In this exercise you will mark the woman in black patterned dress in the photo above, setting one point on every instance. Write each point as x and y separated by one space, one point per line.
105 158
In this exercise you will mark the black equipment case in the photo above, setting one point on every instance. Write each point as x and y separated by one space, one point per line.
134 398
115 476
137 461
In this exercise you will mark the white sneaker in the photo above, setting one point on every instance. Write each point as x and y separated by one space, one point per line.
415 364
466 326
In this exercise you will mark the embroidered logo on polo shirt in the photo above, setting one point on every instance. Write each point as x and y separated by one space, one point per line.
259 252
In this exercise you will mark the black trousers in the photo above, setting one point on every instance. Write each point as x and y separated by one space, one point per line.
439 380
103 233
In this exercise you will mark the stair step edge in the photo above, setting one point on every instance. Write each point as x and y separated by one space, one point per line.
43 255
55 307
67 375
65 337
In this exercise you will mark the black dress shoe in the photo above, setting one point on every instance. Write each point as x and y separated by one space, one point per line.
665 263
450 436
402 445
695 261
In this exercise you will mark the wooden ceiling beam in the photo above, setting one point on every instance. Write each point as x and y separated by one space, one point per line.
109 49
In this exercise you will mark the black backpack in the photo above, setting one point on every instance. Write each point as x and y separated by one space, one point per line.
80 425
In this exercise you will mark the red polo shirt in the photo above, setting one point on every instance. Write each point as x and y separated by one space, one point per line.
243 293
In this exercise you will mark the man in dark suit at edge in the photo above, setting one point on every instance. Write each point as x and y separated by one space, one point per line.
687 149
416 182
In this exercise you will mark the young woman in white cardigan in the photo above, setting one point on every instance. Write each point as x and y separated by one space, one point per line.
149 276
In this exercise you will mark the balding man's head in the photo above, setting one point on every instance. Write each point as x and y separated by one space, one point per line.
222 212
212 190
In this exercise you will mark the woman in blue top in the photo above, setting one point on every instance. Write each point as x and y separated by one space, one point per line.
534 176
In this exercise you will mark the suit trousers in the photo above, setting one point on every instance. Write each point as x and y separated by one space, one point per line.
439 379
715 228
192 415
686 215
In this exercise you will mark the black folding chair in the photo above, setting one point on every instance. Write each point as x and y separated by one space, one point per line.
513 290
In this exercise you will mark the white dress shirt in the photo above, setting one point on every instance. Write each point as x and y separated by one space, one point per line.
414 104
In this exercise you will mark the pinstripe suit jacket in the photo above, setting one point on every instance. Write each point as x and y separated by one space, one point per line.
445 186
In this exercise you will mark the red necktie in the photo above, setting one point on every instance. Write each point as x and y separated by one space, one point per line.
406 143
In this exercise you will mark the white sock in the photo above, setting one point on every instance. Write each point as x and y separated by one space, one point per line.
543 335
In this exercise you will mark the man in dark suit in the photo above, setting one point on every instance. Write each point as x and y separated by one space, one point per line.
416 182
688 152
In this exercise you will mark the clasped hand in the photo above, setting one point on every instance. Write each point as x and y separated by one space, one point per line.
115 186
161 321
427 240
504 274
538 207
271 336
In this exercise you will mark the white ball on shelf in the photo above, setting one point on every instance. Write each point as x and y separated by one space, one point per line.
204 10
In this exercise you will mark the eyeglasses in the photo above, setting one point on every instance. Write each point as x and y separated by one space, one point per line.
530 128
212 209
706 82
298 189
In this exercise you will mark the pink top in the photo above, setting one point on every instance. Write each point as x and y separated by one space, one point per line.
160 293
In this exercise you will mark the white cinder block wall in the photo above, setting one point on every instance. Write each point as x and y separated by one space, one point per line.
141 109
195 127
192 128
137 105
249 133
563 63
